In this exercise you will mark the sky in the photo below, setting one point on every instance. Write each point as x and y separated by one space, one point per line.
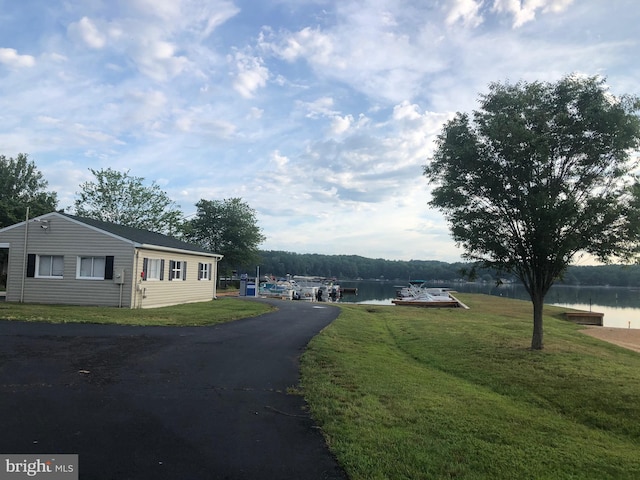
319 114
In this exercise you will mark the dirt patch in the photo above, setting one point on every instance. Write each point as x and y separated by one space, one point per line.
623 337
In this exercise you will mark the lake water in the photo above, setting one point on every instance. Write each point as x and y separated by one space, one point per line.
620 305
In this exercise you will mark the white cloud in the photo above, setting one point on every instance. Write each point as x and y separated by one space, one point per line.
251 74
279 160
86 31
200 16
465 11
157 58
255 113
524 11
11 58
341 124
321 107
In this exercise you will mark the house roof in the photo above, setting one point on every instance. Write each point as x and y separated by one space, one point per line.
143 238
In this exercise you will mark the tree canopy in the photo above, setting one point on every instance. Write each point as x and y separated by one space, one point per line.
121 198
22 185
536 176
228 227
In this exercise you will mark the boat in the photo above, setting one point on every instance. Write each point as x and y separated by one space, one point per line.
319 288
418 294
272 288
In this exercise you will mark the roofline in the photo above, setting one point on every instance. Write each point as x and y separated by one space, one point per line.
31 219
95 229
148 246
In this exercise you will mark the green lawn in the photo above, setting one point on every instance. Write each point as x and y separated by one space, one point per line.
191 314
408 393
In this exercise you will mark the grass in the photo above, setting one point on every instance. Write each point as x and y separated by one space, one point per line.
190 314
408 393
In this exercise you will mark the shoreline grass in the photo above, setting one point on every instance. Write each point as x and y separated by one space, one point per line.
407 393
189 314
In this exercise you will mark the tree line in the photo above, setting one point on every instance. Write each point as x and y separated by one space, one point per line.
354 267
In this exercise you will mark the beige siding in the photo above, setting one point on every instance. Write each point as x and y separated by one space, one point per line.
156 293
69 239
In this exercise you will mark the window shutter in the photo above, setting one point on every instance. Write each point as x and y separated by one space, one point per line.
108 267
209 271
145 266
31 265
199 271
162 269
172 266
184 270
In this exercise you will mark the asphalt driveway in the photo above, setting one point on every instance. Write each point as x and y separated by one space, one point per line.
166 403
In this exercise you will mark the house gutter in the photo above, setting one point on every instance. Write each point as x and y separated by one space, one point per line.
134 281
179 250
24 255
215 277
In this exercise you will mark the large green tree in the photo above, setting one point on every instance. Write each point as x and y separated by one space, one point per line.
118 197
536 176
228 227
22 185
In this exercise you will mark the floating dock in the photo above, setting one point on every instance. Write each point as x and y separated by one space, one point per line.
453 303
585 318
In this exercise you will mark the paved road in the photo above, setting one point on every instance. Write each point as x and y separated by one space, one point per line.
166 403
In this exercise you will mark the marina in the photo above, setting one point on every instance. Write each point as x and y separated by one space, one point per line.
617 307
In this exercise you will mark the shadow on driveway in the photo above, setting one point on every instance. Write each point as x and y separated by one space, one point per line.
166 402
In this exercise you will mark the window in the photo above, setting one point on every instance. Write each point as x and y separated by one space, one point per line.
49 266
152 269
177 270
92 268
204 271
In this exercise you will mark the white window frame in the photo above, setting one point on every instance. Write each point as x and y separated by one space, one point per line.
50 274
204 271
94 275
177 273
153 269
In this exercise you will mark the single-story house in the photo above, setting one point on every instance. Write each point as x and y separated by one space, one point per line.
58 258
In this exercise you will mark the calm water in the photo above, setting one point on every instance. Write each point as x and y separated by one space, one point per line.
621 306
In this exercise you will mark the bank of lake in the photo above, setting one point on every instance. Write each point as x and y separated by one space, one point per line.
620 305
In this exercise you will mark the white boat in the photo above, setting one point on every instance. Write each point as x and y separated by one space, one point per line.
277 289
418 294
322 289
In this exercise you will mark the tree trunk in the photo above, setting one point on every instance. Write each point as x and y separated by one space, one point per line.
538 304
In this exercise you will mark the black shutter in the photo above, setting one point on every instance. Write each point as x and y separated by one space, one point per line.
209 271
31 265
145 266
162 269
172 266
184 271
199 271
108 267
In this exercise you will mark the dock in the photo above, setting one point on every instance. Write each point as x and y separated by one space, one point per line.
426 304
585 318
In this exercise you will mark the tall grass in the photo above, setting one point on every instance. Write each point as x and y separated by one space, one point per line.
407 393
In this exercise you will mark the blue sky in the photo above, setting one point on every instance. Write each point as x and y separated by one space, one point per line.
318 113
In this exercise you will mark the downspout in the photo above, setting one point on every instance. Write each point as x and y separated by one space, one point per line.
24 255
215 278
134 282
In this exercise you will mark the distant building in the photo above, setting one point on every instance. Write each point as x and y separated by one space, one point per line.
58 258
